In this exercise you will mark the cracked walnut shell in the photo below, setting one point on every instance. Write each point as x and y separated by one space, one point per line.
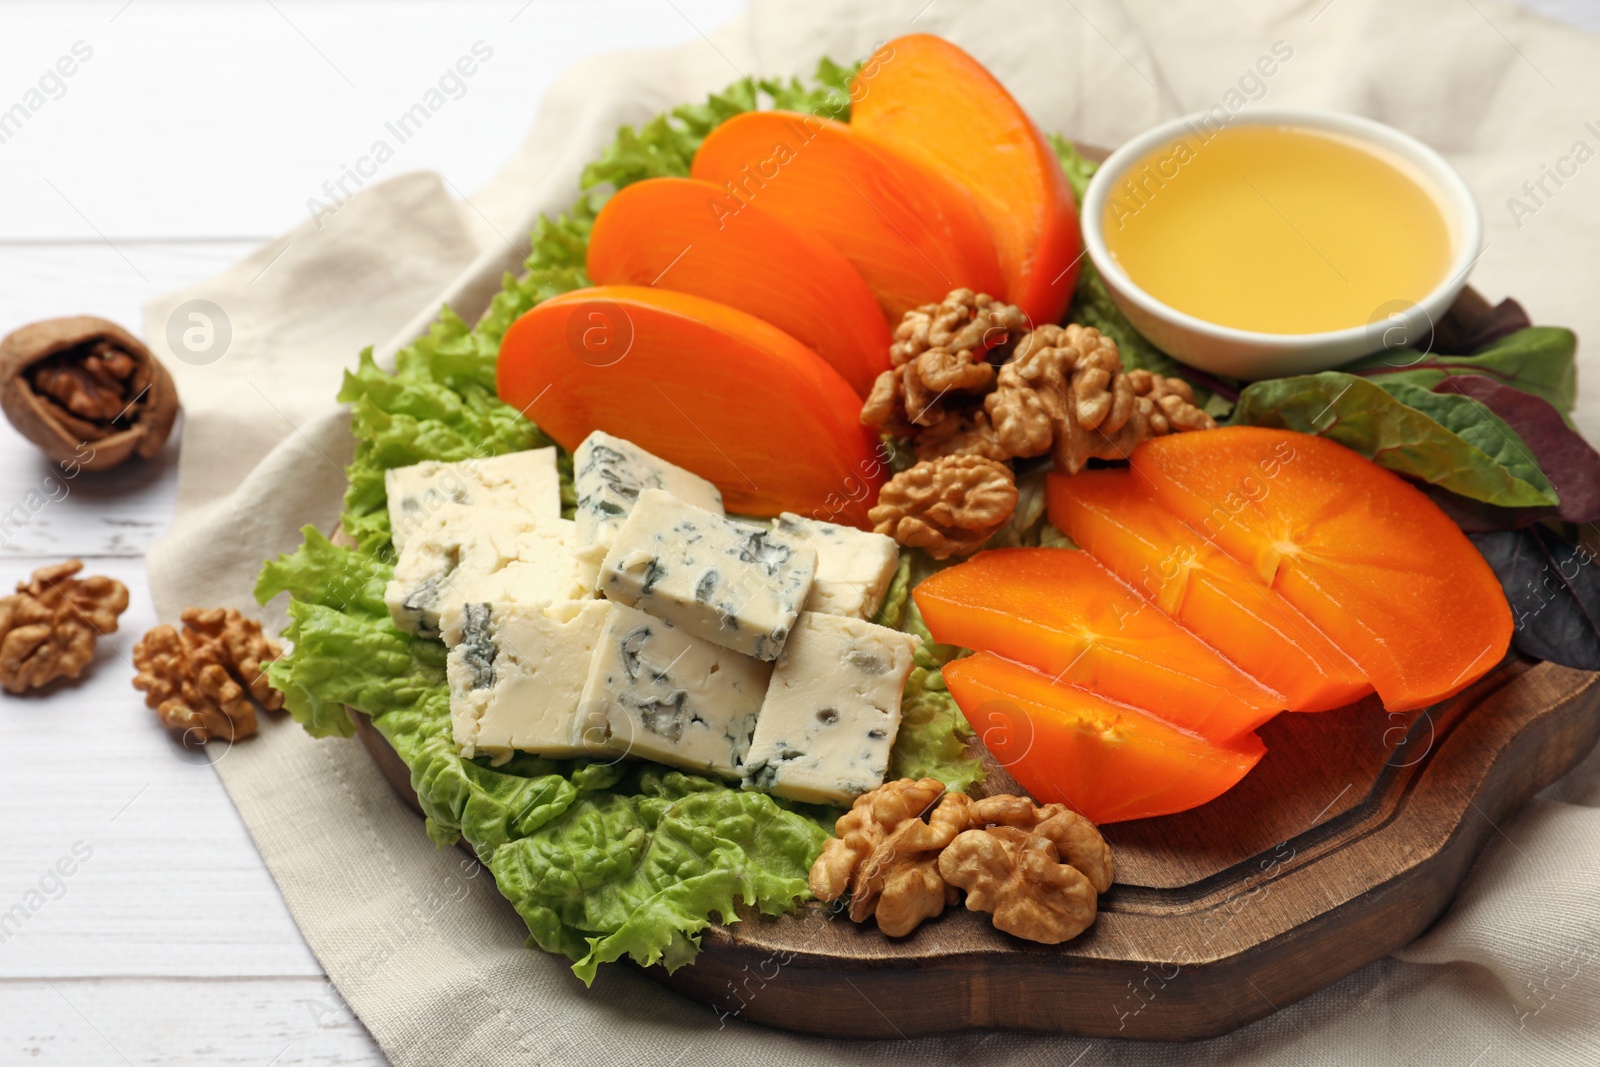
86 392
208 678
947 506
49 626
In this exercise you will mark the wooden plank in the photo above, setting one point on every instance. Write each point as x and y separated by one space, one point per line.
79 1022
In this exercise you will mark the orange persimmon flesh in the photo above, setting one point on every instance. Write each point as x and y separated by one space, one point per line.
671 233
912 233
712 389
1111 516
1060 611
1366 557
1108 761
932 102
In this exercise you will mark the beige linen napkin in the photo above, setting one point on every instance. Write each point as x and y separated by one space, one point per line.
418 941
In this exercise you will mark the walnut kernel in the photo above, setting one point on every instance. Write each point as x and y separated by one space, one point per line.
49 626
947 506
208 678
1018 877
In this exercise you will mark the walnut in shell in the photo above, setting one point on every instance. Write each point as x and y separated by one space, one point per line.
86 391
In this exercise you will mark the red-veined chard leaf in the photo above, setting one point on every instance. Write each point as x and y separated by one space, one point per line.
1553 587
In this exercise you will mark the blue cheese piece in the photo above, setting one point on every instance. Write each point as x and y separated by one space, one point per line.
609 474
516 678
461 553
730 583
854 567
832 710
517 481
671 697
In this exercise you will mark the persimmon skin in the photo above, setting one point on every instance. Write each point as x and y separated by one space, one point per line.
932 102
1061 612
1111 516
912 232
668 233
705 386
1370 560
1108 761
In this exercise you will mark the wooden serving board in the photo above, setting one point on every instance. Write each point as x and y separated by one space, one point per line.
1346 842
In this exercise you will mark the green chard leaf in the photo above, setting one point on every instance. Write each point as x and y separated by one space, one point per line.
1541 360
1443 439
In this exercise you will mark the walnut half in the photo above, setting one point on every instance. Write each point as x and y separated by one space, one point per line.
947 506
1039 870
208 678
49 626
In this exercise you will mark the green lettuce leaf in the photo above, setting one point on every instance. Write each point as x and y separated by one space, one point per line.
653 854
665 146
1443 439
935 739
747 847
646 870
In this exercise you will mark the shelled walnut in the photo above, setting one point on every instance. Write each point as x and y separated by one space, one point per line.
941 361
1060 390
86 391
888 857
946 506
48 628
1038 870
207 678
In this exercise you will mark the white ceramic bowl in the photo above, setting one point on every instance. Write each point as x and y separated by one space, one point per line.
1246 353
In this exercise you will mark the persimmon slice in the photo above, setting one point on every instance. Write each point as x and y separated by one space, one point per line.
932 102
676 233
1108 761
712 389
1060 611
1113 518
1369 559
912 233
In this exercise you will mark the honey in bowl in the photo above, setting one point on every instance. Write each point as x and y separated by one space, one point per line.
1278 229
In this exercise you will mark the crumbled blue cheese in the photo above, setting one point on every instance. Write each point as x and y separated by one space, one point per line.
517 675
517 481
832 710
461 553
733 584
609 474
854 567
671 697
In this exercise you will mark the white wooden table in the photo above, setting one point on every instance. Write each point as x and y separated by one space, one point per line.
192 133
